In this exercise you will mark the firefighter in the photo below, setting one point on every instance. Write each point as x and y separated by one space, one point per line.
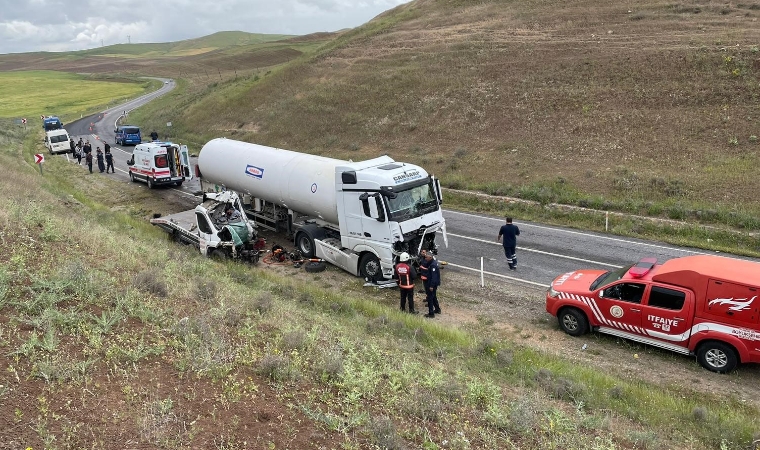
433 281
405 275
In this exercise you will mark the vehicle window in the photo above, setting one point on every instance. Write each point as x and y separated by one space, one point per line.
203 224
161 162
131 130
627 292
609 277
661 297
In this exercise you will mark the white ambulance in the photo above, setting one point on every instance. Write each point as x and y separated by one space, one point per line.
160 163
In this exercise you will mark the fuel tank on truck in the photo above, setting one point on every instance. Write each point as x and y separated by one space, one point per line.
299 181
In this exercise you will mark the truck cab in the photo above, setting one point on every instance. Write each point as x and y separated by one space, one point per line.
702 305
160 163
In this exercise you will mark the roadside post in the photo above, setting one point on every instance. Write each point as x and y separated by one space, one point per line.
23 121
168 127
39 158
482 280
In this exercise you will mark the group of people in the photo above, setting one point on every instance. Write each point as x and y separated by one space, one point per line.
83 150
430 272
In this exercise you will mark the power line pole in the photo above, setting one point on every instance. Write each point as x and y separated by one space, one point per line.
129 39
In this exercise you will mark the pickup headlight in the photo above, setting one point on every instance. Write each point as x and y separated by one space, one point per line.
552 293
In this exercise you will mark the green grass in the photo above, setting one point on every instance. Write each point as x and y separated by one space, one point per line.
86 314
35 93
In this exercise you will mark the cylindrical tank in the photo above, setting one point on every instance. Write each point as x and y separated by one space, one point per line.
299 181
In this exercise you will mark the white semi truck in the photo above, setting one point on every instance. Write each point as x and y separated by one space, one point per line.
356 215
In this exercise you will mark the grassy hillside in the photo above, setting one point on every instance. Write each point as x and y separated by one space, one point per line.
649 108
109 334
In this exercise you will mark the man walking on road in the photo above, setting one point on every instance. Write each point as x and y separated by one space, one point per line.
510 233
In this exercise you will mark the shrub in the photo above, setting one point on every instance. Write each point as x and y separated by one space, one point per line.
149 282
274 367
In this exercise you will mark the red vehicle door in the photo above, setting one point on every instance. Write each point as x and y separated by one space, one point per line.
618 306
667 314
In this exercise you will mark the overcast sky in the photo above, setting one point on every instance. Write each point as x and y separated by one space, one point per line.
62 25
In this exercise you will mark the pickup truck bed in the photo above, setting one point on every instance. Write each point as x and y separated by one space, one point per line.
180 226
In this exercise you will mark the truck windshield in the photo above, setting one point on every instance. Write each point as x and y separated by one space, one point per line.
413 202
608 277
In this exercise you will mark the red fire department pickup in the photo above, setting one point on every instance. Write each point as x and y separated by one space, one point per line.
704 305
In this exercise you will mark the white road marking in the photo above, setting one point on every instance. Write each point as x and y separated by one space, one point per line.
580 233
540 252
533 283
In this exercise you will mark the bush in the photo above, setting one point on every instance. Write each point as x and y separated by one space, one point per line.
148 281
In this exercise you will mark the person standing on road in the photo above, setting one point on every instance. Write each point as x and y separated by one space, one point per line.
433 281
87 147
109 159
510 232
78 152
72 145
153 135
88 160
101 164
405 274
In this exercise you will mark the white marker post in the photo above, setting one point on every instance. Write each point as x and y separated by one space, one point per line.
482 280
607 221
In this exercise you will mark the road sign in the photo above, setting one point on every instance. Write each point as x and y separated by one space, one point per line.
23 120
39 158
42 117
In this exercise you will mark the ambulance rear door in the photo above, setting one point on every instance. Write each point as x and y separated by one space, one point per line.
184 156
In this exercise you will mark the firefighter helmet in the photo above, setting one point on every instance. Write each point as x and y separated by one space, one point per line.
403 257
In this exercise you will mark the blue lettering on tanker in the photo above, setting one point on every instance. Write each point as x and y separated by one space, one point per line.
407 176
255 172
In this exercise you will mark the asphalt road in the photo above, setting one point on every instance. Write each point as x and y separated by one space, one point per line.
100 128
543 252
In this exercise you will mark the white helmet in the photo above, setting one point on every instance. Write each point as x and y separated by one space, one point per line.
403 257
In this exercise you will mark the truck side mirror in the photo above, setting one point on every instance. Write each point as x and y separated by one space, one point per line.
380 208
131 161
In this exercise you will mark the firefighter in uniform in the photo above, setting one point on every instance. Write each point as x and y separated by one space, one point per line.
405 275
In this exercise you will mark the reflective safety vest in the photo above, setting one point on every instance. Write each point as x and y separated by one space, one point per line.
405 277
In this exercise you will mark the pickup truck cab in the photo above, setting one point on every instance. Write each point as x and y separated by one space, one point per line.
703 305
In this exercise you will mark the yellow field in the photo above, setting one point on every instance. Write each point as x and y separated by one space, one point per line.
66 95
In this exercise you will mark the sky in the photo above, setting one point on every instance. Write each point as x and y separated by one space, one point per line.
65 25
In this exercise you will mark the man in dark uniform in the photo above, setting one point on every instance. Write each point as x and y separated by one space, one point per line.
510 233
433 281
423 272
405 275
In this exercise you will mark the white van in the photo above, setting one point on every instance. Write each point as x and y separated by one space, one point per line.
158 163
57 141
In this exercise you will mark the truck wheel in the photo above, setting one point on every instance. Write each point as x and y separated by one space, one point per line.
369 267
717 357
315 266
572 321
178 183
305 245
150 182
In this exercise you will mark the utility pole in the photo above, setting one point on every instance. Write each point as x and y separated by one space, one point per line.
129 39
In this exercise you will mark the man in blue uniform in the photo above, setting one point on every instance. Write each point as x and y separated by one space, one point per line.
510 233
433 281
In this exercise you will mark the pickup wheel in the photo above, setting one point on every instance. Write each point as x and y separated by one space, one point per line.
178 183
219 255
305 245
717 357
150 182
369 267
572 321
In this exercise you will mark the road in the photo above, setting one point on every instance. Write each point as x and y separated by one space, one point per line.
544 252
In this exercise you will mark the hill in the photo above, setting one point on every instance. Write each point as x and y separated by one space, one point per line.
649 108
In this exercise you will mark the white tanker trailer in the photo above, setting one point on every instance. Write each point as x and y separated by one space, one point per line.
355 215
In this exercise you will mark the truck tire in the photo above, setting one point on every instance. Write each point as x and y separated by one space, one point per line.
305 245
150 182
572 321
717 357
315 266
369 267
178 183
